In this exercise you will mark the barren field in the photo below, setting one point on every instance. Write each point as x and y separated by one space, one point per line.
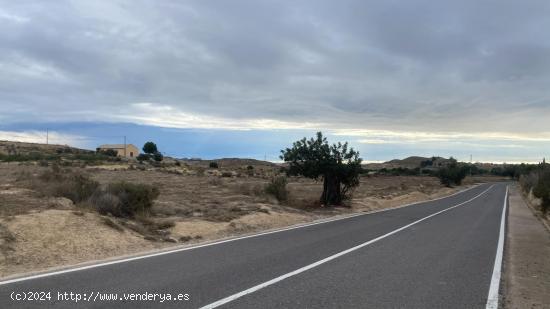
195 204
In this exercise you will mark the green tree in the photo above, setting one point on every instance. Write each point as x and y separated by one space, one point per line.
453 173
150 148
337 165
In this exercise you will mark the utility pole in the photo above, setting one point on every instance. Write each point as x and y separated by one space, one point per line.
47 136
124 146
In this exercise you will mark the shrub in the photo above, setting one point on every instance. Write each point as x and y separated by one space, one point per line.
452 173
107 152
528 181
65 183
124 199
542 190
142 157
157 156
277 188
227 174
213 165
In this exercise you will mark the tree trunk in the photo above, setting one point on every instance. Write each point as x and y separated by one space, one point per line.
332 194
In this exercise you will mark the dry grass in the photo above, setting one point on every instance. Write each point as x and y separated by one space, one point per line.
189 208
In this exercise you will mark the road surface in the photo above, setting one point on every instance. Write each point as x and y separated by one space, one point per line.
436 254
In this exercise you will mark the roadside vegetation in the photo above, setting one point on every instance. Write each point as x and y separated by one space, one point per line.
452 173
95 209
535 182
337 165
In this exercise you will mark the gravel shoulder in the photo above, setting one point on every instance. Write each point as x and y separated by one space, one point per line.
527 262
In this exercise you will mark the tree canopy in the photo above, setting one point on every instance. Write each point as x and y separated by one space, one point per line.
338 165
150 148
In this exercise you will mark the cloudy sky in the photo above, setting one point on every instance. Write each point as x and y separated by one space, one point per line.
243 78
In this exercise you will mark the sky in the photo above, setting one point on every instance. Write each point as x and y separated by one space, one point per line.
246 78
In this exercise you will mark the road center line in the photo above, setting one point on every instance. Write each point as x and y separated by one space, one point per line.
492 298
330 258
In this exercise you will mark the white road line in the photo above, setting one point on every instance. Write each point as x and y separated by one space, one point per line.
330 258
492 298
123 260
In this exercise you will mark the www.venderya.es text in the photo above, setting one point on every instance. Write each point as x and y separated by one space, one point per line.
94 296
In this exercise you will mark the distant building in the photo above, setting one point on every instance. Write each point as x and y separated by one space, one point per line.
125 151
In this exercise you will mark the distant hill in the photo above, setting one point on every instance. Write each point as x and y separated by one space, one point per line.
20 148
409 162
231 162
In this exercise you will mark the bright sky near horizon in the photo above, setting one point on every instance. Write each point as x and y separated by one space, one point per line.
246 78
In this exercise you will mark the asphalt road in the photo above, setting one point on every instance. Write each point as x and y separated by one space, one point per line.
438 254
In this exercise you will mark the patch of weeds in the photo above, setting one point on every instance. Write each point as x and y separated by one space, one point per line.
124 199
185 238
277 188
112 224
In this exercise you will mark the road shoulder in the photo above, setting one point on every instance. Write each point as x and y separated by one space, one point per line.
527 262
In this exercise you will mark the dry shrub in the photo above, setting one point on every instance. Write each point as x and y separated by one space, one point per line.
185 238
250 189
165 224
124 199
112 224
67 183
528 181
277 188
6 240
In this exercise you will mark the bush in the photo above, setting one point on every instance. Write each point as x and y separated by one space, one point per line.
542 190
528 181
142 157
213 165
157 156
124 199
451 174
65 183
277 188
107 152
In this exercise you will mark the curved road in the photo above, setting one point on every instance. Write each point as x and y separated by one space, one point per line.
436 254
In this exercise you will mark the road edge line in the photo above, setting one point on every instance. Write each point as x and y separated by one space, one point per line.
330 258
115 260
493 296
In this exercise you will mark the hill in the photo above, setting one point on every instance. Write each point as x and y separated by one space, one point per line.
409 162
21 148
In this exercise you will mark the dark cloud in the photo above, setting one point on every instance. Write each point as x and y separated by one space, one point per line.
402 65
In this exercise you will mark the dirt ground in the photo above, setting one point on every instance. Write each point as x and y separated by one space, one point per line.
527 263
38 232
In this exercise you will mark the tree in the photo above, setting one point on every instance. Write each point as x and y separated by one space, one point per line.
150 148
337 165
213 164
452 173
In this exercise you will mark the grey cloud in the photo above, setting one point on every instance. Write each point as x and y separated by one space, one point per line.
415 65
